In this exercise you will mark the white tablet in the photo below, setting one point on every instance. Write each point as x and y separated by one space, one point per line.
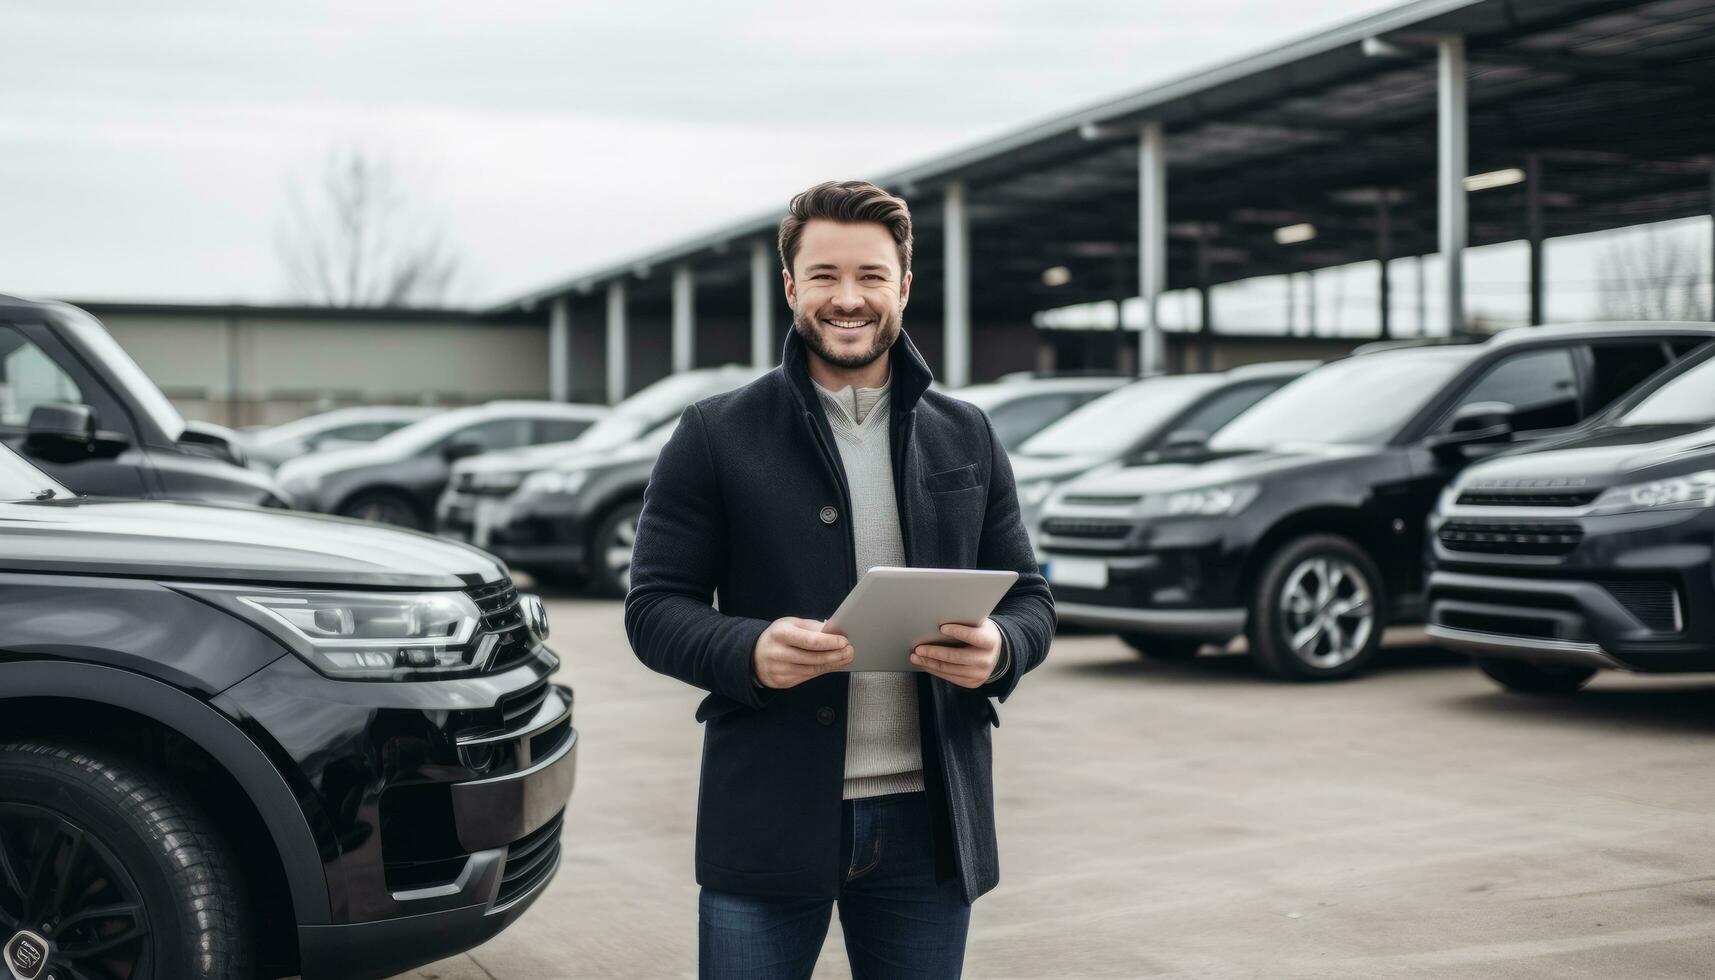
893 609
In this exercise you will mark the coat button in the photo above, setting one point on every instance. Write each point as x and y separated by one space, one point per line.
825 715
829 515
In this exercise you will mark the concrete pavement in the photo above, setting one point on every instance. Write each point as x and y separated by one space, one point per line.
1196 820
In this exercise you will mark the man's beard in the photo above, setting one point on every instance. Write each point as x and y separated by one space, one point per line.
886 334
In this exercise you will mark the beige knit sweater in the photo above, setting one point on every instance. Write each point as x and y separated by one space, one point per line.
883 752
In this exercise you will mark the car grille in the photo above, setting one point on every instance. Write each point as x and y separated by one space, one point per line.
498 604
1527 498
529 861
1655 603
1084 527
1510 538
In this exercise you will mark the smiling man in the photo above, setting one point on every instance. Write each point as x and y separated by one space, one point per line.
819 786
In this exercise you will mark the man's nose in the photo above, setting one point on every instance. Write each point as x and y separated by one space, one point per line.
847 297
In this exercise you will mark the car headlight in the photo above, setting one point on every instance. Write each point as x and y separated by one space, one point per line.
1201 502
1689 492
1032 494
555 481
366 635
497 481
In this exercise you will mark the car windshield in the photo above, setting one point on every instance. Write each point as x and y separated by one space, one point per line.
1115 422
1683 399
418 436
1360 401
314 425
101 346
21 481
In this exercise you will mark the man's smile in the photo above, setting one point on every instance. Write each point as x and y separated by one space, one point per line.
847 323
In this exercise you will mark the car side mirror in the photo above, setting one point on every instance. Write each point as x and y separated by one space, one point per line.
1184 442
61 432
1476 424
460 449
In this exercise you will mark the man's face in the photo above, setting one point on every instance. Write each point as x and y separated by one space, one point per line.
846 291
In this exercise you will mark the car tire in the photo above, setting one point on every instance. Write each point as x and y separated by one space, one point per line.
131 856
1318 610
1153 646
610 550
1523 677
385 507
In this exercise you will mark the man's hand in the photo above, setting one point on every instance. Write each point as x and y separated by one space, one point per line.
970 665
791 651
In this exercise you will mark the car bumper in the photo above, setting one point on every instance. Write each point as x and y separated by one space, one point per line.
519 534
442 802
1184 584
1626 591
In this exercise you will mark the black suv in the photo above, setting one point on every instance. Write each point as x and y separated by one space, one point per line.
1302 527
1589 552
239 742
80 408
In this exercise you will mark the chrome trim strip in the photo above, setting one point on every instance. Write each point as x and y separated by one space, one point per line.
1524 647
1214 623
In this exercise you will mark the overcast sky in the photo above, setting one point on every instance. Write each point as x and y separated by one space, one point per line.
146 148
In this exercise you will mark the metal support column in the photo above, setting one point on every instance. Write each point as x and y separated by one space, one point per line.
1205 302
1712 242
560 350
1533 233
956 320
1384 253
684 318
1454 165
616 334
764 280
1151 241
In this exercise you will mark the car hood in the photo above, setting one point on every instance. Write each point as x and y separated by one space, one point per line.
167 540
1026 469
1601 458
1216 470
318 465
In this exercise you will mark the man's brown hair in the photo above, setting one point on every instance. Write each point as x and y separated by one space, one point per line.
849 202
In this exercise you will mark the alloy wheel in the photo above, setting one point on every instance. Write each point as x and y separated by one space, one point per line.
1327 611
616 551
68 908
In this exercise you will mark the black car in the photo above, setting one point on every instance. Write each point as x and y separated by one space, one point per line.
1141 422
1596 551
571 510
78 406
397 478
240 742
1302 527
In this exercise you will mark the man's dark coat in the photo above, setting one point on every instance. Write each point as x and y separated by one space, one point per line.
748 507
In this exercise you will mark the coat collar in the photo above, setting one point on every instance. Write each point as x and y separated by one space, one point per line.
910 374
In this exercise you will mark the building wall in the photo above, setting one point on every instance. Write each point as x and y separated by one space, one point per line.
257 369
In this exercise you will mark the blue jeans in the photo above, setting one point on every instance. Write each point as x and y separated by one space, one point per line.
898 922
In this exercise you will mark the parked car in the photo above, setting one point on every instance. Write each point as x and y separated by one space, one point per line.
1019 406
240 742
396 479
572 509
1144 421
1302 526
75 404
269 446
1591 552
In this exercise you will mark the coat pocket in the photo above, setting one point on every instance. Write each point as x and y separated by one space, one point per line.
947 481
717 706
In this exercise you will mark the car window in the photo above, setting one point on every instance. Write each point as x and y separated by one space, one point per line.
559 430
1618 368
1358 401
1683 399
29 377
1540 385
493 434
1021 418
1224 406
358 432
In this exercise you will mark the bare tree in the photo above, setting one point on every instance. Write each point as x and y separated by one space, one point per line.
352 240
1657 275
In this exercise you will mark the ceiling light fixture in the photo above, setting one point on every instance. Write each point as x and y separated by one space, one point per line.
1494 178
1293 234
1057 276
